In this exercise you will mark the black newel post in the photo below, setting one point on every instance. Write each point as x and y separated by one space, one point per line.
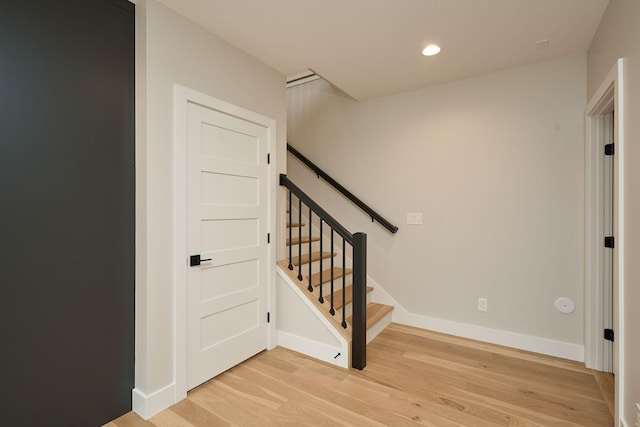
359 324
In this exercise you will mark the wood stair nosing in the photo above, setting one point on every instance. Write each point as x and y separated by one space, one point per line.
338 272
315 256
305 239
375 312
296 224
348 297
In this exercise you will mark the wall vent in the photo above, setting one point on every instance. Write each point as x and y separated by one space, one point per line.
301 78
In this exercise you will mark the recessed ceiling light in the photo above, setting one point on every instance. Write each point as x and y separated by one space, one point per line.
432 49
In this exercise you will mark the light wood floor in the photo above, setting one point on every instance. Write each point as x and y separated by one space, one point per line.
413 377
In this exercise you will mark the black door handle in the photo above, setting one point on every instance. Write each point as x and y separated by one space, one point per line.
196 260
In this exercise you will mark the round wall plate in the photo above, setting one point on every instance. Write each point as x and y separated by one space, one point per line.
565 305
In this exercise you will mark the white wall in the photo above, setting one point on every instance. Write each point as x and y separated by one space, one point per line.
494 163
305 330
619 36
171 49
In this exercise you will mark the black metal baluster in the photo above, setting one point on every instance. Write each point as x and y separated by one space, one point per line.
332 310
300 239
310 242
321 299
290 228
344 278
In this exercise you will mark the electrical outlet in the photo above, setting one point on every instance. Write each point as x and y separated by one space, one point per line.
414 218
482 304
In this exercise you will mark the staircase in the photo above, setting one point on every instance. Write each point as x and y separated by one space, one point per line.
377 316
328 265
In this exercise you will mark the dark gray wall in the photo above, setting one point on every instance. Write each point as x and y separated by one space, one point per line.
66 211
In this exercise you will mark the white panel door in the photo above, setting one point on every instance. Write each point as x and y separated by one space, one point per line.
227 226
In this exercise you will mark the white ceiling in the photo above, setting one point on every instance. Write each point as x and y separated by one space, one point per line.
372 48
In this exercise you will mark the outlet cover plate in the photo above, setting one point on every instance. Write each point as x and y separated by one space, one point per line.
414 218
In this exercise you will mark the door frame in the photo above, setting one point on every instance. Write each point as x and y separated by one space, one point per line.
182 97
608 97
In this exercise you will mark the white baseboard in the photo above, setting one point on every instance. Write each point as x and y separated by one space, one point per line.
532 343
149 405
315 349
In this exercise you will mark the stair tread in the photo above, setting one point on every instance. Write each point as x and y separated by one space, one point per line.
296 224
305 239
315 256
375 312
326 275
337 296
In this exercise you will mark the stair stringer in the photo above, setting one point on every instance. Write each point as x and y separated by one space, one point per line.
302 327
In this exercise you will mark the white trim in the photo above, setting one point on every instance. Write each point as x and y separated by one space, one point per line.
495 336
182 96
608 96
315 349
149 405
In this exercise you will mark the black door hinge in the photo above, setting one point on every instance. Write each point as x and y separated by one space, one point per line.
268 317
609 149
268 238
268 158
609 242
608 334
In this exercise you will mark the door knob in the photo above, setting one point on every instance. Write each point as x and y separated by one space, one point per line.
196 260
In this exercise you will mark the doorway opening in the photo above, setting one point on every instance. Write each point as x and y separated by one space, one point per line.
604 290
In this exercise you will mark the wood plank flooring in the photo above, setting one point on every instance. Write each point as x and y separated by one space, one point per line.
413 377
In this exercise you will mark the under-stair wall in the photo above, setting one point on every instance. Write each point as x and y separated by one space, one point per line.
302 328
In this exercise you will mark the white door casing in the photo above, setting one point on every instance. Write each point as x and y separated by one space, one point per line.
225 206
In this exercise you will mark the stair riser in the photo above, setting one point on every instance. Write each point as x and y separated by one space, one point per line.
326 286
315 266
337 285
326 244
305 246
373 331
315 246
349 306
